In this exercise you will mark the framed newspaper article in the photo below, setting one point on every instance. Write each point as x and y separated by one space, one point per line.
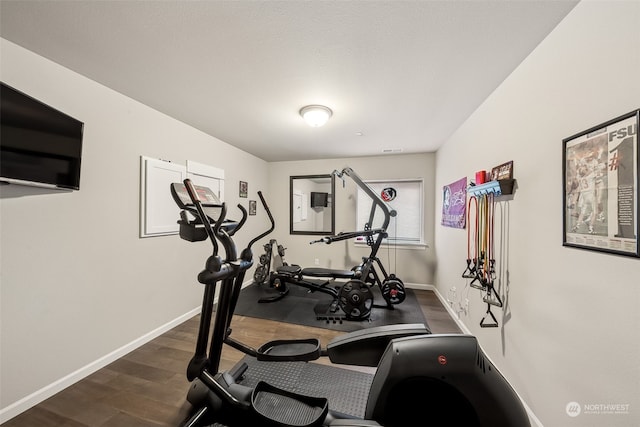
600 182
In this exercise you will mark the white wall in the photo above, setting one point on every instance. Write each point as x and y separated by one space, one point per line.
77 282
570 333
413 266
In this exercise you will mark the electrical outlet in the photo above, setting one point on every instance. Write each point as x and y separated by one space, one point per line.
317 261
451 296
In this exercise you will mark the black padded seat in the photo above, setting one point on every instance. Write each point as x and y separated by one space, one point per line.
327 272
293 270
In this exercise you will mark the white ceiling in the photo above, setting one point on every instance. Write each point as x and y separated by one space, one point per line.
406 74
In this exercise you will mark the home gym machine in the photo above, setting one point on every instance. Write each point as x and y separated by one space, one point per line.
432 379
354 298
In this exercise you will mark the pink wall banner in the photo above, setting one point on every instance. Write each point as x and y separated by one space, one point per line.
454 204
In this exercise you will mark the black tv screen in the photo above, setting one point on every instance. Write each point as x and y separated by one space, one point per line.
39 145
319 200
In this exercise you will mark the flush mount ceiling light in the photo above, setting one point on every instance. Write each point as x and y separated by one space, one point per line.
315 115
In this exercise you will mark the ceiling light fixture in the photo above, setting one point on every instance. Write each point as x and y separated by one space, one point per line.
316 115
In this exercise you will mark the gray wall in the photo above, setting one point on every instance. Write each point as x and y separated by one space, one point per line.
77 282
570 332
413 266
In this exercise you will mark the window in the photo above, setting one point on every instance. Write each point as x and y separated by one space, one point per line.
406 198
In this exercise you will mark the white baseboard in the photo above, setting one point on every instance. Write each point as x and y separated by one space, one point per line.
444 302
46 392
419 286
450 310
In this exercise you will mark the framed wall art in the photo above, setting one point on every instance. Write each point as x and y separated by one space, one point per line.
244 189
600 187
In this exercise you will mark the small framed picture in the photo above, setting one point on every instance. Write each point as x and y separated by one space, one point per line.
503 171
600 186
244 189
252 207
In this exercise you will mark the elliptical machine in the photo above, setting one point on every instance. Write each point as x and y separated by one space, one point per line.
443 378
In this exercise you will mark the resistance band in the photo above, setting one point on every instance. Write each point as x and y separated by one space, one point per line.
470 271
481 268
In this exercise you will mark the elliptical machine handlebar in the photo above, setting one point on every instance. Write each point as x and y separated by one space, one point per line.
215 231
188 185
271 220
242 221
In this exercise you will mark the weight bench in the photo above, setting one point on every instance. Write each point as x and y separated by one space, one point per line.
350 300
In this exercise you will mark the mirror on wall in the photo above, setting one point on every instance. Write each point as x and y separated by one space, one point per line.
311 204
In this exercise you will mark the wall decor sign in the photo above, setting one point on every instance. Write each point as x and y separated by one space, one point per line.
454 204
503 171
244 189
388 194
600 187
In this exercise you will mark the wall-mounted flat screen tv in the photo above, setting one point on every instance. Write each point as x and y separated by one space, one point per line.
39 145
319 200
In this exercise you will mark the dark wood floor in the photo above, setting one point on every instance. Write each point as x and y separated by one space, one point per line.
147 387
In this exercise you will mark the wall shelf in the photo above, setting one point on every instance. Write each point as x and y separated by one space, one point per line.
498 188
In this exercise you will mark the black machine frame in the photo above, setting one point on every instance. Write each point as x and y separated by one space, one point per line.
353 300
